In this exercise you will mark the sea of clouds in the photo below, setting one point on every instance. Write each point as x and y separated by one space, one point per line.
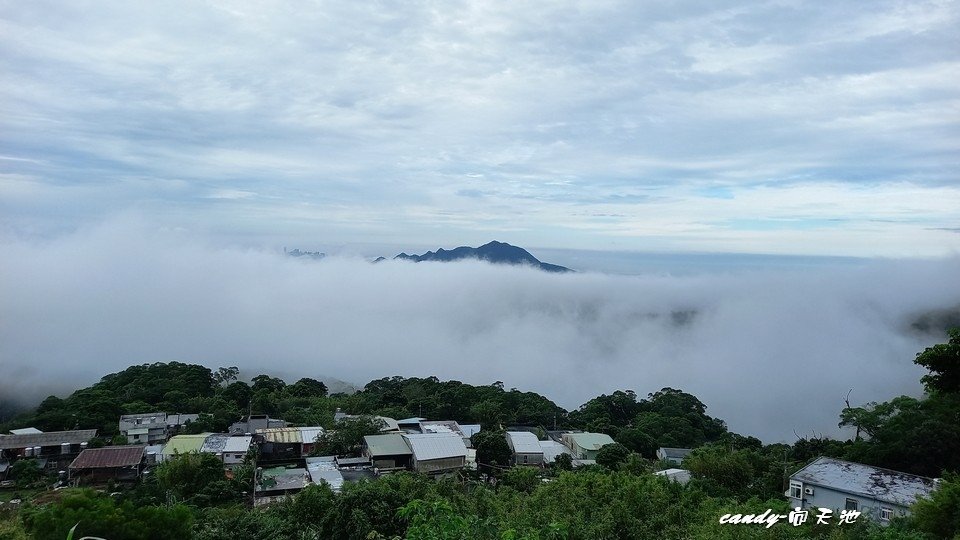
772 352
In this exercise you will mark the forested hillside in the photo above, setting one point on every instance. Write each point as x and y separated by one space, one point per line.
618 498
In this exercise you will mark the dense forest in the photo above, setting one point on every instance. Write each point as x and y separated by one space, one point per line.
617 498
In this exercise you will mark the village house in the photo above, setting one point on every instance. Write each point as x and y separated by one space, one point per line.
525 448
673 455
118 463
387 452
275 483
231 450
248 425
288 442
324 470
153 428
585 445
438 453
182 444
681 476
54 449
881 494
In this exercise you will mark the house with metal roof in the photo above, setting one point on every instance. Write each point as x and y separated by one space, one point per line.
145 428
585 445
881 494
25 431
55 449
551 450
153 427
288 442
324 470
525 448
681 476
274 483
673 455
387 452
183 444
436 453
121 463
249 425
230 449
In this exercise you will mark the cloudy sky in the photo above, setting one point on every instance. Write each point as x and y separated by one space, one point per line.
783 127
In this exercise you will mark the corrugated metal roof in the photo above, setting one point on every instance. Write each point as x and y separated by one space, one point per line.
590 441
469 429
238 444
182 444
109 456
552 449
387 445
856 478
324 469
440 426
214 443
427 446
288 435
281 478
676 453
25 431
309 434
50 438
181 419
524 442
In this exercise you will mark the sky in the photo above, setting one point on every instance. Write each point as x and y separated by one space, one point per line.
782 127
156 157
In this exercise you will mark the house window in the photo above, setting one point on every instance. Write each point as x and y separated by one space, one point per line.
886 513
796 490
851 504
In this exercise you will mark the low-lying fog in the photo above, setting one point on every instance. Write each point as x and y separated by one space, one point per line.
773 352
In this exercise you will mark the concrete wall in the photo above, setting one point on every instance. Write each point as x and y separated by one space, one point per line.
825 497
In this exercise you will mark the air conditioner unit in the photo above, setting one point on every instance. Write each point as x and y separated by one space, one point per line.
808 491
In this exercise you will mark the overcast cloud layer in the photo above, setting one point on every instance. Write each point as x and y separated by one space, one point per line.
770 352
761 127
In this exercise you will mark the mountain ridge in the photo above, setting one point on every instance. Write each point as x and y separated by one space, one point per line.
493 252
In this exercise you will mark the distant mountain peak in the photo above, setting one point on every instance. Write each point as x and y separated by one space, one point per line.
494 252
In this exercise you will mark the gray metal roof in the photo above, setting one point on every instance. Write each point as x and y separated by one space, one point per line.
676 453
324 469
50 438
524 442
427 446
440 426
589 441
552 449
387 445
25 431
856 478
181 419
215 443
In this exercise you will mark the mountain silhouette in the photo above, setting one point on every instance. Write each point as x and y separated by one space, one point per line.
494 252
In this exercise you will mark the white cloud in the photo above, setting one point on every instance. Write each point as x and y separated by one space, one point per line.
770 351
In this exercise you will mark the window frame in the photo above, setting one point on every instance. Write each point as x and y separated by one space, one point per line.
886 514
856 504
798 486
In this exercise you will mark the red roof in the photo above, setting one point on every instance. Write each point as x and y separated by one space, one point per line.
109 456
